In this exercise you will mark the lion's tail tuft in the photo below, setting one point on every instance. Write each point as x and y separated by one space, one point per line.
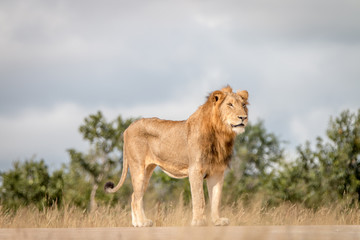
108 186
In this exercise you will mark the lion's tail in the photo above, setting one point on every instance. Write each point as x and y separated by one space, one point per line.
109 186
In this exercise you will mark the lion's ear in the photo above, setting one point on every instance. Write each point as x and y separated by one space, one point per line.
217 96
243 94
227 89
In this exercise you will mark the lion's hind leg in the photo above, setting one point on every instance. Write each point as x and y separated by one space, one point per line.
140 179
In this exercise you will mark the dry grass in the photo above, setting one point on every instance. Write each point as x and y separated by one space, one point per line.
170 215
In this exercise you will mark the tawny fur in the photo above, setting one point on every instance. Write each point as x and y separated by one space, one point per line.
200 146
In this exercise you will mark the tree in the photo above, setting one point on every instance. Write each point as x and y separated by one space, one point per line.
30 183
257 155
300 180
328 173
343 153
77 187
106 145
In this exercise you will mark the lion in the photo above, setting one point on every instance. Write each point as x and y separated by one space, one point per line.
199 148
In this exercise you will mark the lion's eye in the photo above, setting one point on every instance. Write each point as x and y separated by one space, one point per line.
230 104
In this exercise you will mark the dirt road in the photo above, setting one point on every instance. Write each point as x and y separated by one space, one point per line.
187 233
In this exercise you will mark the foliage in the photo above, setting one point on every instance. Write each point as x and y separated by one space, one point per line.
77 186
101 162
330 172
343 154
257 155
30 183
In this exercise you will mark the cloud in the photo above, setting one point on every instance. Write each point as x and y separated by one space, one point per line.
46 133
56 52
307 126
62 60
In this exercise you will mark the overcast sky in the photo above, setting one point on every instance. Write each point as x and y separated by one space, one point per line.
63 60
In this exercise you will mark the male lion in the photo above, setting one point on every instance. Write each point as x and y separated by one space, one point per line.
198 148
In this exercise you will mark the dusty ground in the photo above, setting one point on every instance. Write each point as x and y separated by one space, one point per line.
189 233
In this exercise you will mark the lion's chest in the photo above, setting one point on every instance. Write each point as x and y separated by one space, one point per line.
216 149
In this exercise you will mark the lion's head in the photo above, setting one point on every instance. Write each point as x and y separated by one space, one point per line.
231 108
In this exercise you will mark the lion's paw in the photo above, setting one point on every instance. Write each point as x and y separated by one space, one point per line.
221 222
198 222
146 223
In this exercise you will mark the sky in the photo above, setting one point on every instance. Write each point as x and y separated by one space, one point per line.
63 60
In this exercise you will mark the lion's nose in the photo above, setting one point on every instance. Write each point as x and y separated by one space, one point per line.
242 118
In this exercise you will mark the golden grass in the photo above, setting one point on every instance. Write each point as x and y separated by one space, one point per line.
179 215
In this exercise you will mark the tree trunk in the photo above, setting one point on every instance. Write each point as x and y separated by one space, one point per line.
93 205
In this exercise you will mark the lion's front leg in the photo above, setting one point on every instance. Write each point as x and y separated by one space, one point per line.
215 184
197 195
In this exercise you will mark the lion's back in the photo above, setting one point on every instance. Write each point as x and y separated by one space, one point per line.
154 127
164 141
